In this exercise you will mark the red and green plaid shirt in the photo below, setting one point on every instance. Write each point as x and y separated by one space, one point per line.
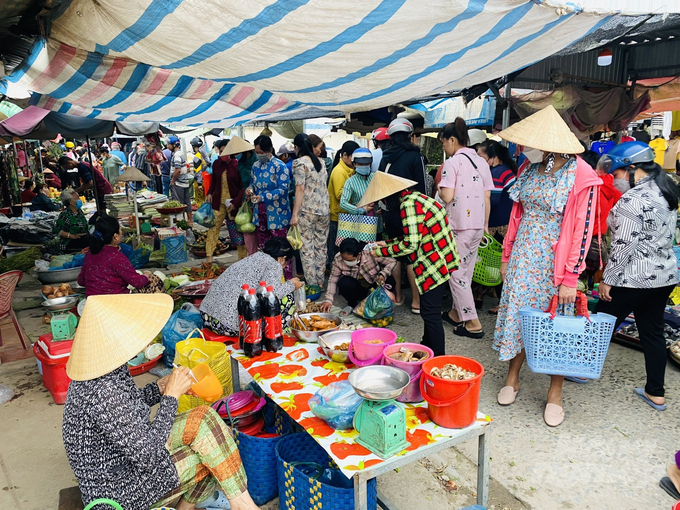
428 241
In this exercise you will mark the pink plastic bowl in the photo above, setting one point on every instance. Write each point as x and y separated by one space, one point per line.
362 353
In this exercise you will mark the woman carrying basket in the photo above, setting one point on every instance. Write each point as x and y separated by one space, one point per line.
642 268
549 233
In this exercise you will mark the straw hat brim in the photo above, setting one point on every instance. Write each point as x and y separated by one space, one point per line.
383 185
113 329
236 145
132 174
545 130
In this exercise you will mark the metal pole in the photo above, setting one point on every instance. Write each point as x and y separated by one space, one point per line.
506 113
28 160
94 183
42 169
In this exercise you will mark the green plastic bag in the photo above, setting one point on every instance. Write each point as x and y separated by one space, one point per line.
244 215
294 238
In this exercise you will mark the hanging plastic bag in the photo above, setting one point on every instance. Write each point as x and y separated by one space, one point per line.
336 404
294 238
244 215
378 304
205 216
179 326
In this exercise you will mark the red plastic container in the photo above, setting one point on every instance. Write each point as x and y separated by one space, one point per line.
452 404
53 357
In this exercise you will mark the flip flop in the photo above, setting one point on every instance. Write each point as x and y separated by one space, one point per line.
415 311
507 395
666 484
463 331
577 380
446 318
400 303
640 392
491 311
553 415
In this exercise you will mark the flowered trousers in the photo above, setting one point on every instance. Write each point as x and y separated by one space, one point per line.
206 457
214 232
461 280
314 232
264 234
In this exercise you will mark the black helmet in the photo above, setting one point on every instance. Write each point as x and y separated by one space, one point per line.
196 142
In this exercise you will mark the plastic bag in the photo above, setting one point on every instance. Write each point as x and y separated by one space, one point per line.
6 393
244 215
336 404
294 238
179 326
205 216
378 304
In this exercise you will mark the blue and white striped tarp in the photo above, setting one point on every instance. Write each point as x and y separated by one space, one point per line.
224 62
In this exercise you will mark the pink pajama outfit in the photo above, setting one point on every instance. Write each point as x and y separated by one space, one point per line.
461 280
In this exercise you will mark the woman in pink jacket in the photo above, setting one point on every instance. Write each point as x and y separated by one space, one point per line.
548 237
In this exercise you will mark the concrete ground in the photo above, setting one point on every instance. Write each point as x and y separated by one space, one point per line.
608 454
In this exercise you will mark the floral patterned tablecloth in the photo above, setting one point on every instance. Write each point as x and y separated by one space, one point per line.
290 377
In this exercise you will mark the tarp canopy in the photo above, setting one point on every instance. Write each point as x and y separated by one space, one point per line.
223 62
42 124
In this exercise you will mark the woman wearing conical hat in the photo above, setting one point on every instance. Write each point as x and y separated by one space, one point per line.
548 237
115 450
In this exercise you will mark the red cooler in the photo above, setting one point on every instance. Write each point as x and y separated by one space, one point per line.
53 357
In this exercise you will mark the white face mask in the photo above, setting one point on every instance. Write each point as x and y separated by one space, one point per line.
352 263
622 185
534 155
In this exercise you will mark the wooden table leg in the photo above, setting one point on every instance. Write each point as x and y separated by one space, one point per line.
483 469
360 493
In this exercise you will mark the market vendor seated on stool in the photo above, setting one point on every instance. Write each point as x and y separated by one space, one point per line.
115 450
42 201
218 309
106 270
71 225
354 272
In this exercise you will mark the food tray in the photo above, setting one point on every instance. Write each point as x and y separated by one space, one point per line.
144 367
171 210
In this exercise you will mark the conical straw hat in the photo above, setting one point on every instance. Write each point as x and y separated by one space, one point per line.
113 329
132 174
383 185
236 146
544 130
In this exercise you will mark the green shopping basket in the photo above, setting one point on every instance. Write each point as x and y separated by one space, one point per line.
488 267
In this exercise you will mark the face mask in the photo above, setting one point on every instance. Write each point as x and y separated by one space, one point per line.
263 158
352 263
622 185
534 155
363 170
79 204
238 157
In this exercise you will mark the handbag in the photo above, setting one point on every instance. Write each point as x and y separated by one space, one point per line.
356 226
191 352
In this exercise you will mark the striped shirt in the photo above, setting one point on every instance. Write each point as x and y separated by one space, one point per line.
501 203
353 191
642 229
428 241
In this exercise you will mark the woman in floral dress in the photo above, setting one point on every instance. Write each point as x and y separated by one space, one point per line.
549 232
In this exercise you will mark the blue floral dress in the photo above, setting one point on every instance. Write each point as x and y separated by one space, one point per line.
271 182
530 276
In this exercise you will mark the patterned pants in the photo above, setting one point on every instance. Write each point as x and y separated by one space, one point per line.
205 456
214 232
461 280
199 193
250 240
314 232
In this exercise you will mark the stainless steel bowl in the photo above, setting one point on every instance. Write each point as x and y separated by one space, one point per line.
60 303
379 382
329 341
312 337
59 276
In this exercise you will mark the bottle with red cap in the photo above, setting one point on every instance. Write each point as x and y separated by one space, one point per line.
261 291
240 306
272 335
252 321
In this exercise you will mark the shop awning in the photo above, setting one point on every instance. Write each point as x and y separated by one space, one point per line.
231 62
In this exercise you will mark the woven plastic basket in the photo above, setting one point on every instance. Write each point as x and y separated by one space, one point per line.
300 491
259 454
566 345
488 267
175 249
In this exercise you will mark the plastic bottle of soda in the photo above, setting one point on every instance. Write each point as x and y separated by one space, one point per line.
252 319
261 291
272 336
240 306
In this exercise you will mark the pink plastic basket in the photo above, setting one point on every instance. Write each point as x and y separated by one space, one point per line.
362 353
